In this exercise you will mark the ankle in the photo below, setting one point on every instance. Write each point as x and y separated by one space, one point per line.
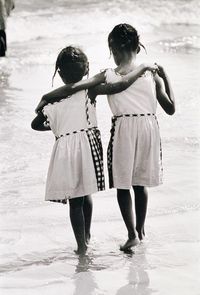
81 250
132 235
141 233
87 237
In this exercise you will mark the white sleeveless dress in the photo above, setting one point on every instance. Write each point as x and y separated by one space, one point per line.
76 165
134 151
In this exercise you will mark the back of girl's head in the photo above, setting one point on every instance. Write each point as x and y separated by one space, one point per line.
72 64
124 37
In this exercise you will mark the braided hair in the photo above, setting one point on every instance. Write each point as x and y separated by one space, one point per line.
72 64
124 38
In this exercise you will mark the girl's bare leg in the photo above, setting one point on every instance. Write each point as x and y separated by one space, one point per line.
87 211
125 204
141 200
78 223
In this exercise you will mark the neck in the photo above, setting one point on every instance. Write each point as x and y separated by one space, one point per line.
128 62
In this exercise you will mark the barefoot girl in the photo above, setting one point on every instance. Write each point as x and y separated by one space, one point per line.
76 165
134 152
117 85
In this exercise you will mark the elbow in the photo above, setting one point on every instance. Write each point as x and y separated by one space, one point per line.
45 97
34 125
171 110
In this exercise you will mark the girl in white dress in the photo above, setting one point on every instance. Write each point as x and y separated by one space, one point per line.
76 165
134 151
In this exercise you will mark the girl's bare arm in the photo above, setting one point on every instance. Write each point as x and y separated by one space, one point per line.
69 89
164 93
124 82
99 79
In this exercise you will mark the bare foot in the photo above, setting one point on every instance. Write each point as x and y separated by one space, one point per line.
87 238
81 250
129 244
141 234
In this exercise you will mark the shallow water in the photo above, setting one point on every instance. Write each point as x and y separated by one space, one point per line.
36 238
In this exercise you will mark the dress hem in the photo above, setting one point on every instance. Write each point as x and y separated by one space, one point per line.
135 184
69 196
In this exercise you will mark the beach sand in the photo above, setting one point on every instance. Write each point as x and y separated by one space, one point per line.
37 243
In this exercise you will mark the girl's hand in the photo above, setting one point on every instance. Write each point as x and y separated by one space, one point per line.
150 67
92 95
161 71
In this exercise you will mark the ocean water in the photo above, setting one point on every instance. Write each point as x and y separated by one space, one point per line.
36 238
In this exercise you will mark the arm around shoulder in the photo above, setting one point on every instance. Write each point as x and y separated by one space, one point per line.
125 80
69 89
